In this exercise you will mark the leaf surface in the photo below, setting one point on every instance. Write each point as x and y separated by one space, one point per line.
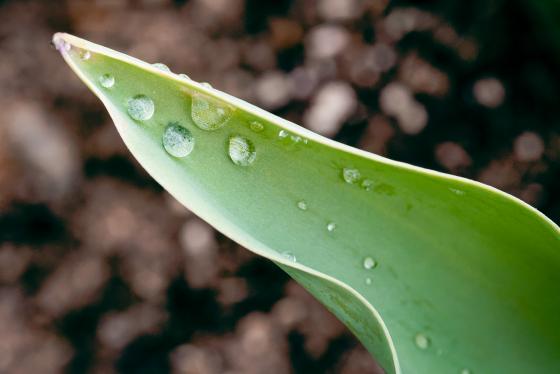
433 273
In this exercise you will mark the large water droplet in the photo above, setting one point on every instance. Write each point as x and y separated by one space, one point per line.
177 140
141 108
422 341
351 175
256 126
241 151
208 114
369 263
162 67
107 80
331 226
85 55
289 256
302 205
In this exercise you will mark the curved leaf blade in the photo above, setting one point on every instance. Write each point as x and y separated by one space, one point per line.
466 276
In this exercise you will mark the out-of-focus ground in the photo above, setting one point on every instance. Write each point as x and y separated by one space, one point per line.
102 271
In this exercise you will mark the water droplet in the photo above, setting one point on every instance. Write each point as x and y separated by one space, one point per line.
302 205
184 76
296 138
367 184
206 84
67 46
368 281
107 80
422 341
466 371
141 108
241 151
162 67
351 175
208 114
289 256
369 263
283 134
256 126
457 191
331 226
85 55
177 140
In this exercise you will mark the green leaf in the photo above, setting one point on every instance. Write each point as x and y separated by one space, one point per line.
434 273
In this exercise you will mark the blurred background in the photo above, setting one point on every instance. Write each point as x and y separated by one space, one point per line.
101 271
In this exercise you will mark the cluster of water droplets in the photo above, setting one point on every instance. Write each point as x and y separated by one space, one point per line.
293 138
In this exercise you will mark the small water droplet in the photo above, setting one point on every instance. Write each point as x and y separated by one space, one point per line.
283 134
351 175
162 67
422 341
177 140
107 80
457 191
302 205
256 126
331 226
369 263
141 108
209 114
368 281
296 138
241 151
367 184
67 46
184 76
289 256
206 84
85 55
466 371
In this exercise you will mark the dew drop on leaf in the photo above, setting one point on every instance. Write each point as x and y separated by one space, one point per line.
162 67
466 371
302 205
283 134
107 80
351 175
369 263
141 108
241 151
256 126
85 55
289 256
206 84
368 281
367 184
184 76
209 114
177 140
331 226
422 341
